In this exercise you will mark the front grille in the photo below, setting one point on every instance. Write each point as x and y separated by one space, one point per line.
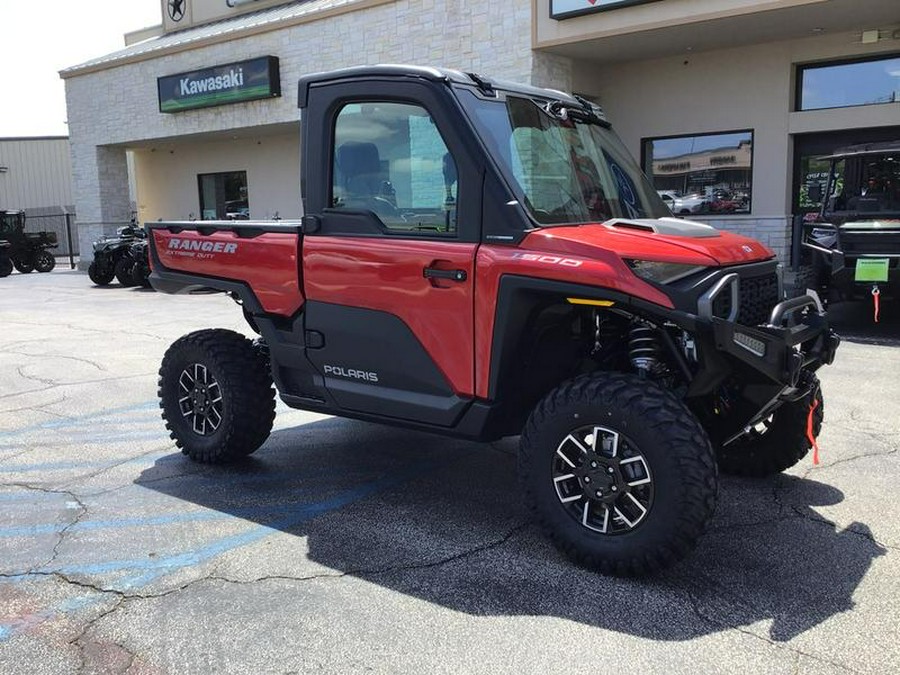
758 295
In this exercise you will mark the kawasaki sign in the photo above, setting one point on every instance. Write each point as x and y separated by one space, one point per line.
565 9
230 83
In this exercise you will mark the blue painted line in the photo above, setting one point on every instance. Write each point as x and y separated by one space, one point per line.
152 569
125 523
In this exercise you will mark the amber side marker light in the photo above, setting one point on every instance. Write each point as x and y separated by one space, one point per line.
595 303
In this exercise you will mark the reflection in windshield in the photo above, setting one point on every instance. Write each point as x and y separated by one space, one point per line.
563 170
866 184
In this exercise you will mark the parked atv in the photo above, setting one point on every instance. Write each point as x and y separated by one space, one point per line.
28 251
851 249
113 258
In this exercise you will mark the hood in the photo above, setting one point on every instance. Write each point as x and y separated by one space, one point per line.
664 239
872 225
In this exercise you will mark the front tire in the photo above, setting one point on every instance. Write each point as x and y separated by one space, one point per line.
100 274
619 473
6 266
216 395
779 444
44 261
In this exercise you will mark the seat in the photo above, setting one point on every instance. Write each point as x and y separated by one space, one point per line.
360 167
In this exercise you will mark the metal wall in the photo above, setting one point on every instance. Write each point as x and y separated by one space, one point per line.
35 173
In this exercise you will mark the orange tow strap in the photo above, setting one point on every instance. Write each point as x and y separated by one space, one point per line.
876 293
809 430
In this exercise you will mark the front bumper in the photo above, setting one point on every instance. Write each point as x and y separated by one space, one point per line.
772 362
797 338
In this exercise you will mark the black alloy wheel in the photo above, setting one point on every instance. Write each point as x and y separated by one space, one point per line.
602 480
201 400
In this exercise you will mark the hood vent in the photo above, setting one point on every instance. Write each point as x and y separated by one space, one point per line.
674 227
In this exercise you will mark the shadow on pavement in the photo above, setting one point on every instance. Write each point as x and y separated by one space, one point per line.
446 526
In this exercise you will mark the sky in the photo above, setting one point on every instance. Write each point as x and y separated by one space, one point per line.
40 38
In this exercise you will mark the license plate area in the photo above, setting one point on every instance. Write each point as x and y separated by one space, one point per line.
871 269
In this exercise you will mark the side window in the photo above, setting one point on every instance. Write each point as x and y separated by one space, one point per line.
389 158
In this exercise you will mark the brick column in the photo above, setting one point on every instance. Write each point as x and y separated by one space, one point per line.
100 177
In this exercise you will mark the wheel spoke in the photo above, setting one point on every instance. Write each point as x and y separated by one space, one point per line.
566 477
621 516
189 385
603 433
637 504
564 458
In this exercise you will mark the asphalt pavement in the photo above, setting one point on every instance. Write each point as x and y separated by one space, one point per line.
345 547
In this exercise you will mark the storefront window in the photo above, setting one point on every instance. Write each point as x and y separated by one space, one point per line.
702 174
863 82
813 181
223 196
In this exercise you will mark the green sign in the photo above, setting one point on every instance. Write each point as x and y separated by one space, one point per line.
230 83
871 269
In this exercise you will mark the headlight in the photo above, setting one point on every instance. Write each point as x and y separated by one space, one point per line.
662 272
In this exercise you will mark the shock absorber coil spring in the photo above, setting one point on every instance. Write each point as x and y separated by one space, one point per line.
644 348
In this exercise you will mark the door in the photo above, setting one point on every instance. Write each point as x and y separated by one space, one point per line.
389 273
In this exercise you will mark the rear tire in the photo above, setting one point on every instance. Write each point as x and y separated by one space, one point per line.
780 446
216 395
23 265
44 261
6 266
100 275
637 503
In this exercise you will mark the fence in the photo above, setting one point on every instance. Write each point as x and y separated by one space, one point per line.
59 220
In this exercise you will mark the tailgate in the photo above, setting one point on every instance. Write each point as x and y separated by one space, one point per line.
258 261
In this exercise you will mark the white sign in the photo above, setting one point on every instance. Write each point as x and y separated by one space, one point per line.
564 9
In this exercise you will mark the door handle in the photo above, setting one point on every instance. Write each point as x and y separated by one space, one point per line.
452 275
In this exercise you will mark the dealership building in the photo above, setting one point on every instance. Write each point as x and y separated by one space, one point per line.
728 101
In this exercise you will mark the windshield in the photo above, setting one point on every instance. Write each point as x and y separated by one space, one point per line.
563 170
865 184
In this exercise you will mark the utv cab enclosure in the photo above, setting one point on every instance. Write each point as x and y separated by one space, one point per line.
482 259
851 250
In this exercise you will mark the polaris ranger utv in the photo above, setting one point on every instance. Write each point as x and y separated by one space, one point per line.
852 249
482 259
28 251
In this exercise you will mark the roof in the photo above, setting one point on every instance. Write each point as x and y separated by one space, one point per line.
881 148
226 29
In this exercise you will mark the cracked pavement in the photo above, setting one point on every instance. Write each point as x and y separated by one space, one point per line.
347 547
